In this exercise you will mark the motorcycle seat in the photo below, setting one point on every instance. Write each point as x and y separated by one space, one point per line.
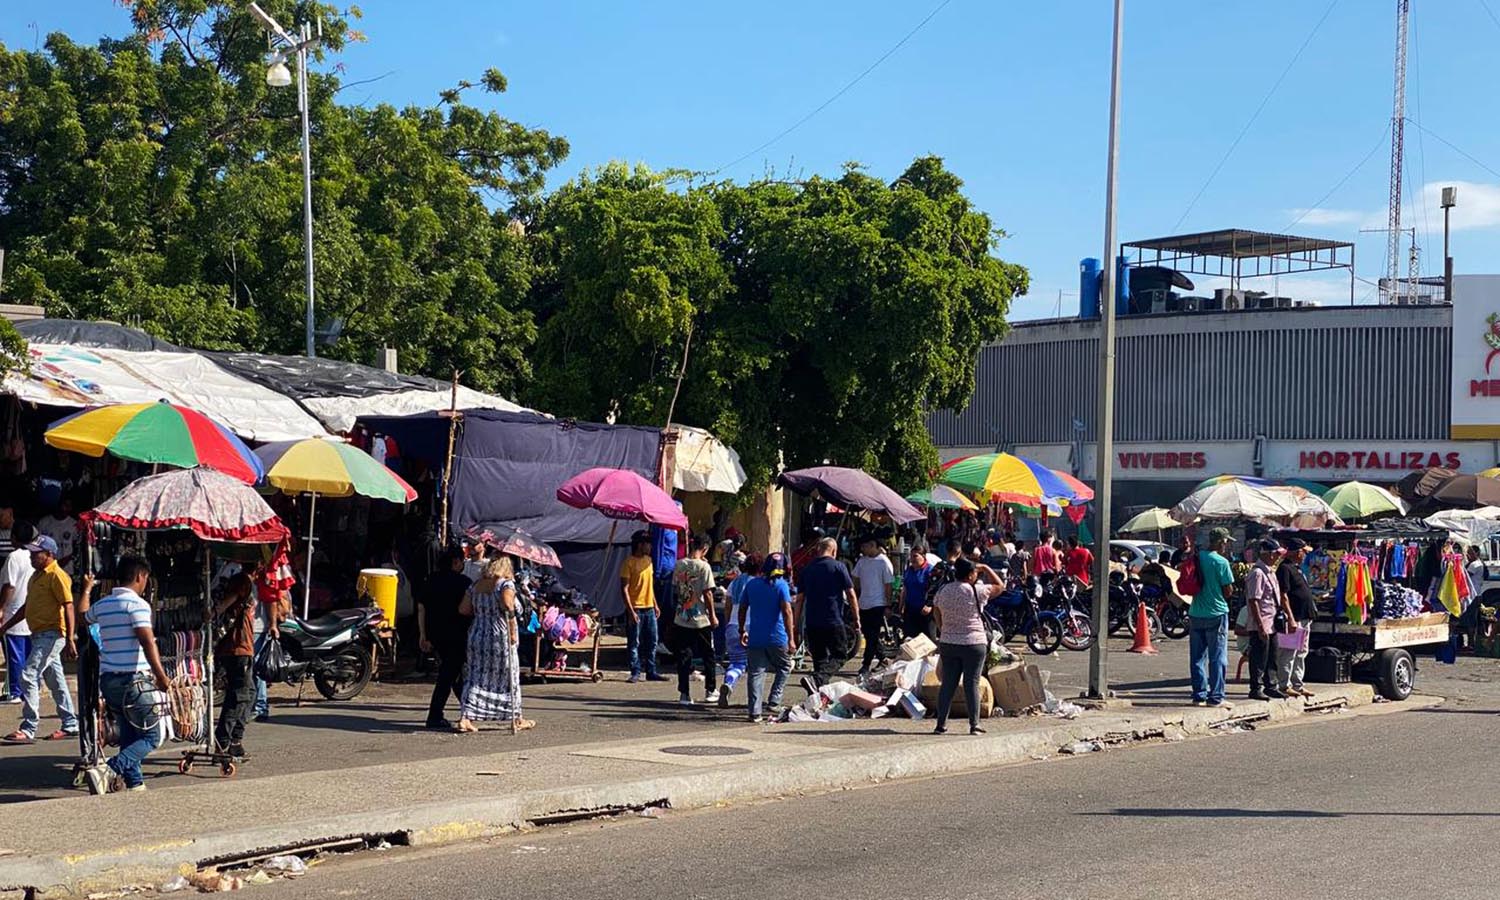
331 623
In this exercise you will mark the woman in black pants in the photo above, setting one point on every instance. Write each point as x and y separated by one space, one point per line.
962 640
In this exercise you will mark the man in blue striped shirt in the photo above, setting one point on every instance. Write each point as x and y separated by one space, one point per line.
128 665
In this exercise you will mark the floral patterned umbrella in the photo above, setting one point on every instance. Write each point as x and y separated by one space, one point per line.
210 504
513 541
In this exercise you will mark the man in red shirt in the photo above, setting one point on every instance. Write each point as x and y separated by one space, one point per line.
1046 559
1078 561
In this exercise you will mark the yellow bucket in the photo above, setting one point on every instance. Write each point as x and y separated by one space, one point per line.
380 586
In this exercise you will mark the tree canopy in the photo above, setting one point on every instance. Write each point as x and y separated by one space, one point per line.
155 179
826 317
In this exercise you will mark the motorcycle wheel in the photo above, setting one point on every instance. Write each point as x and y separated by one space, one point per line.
1174 623
1044 637
1077 631
1152 619
348 675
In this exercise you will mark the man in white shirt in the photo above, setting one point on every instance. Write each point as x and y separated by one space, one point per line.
15 572
873 574
131 675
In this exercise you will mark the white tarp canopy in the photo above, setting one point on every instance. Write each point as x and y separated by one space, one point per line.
1236 500
339 413
705 463
76 376
1472 526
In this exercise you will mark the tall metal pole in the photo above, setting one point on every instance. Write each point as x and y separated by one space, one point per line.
307 210
1105 439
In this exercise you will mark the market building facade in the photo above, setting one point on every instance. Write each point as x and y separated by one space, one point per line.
1319 393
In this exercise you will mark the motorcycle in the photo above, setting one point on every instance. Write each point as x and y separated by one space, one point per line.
337 650
1018 611
1158 590
1126 594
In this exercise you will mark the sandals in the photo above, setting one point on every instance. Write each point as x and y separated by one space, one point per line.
519 725
465 728
18 737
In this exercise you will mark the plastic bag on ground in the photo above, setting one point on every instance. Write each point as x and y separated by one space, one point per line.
174 884
285 865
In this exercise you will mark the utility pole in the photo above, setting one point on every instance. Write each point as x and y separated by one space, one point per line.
1105 438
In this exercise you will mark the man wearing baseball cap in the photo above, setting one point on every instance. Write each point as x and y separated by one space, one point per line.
1208 622
1263 598
48 611
767 632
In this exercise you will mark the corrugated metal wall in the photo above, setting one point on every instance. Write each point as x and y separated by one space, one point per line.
1358 373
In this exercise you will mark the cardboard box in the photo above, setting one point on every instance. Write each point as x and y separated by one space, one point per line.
930 677
919 647
1017 688
960 707
862 700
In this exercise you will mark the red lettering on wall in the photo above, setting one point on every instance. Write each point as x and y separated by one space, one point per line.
1454 461
1488 387
1307 459
1164 460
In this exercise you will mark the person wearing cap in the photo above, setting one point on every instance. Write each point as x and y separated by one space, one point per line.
739 571
766 632
1208 622
1301 610
642 614
1263 599
48 612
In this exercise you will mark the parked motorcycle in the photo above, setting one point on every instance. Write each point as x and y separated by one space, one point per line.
1158 588
1126 593
337 650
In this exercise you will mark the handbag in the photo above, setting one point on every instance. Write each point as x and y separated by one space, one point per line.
1280 623
989 630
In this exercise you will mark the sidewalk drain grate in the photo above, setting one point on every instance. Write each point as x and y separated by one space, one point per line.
705 750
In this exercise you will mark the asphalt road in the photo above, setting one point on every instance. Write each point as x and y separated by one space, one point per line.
1365 805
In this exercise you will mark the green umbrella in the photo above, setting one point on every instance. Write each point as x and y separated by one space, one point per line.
1358 500
941 496
1154 519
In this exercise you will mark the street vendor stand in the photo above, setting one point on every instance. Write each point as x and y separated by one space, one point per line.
178 518
1379 649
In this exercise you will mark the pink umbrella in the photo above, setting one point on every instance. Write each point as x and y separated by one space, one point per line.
621 494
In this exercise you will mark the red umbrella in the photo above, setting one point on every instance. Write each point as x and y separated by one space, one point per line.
621 494
210 504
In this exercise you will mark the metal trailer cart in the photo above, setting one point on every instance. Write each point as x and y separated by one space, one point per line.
1379 652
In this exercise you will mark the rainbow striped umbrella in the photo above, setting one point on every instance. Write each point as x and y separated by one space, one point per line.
1008 478
940 496
1082 493
156 433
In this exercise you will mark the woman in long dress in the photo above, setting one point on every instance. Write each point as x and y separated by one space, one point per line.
492 677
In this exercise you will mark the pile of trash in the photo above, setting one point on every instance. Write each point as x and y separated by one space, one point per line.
909 687
212 881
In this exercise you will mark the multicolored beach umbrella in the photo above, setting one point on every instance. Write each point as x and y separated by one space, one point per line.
1008 478
332 469
941 496
156 433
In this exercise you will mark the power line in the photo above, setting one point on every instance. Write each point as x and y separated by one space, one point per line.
840 92
1491 12
1380 142
1255 115
1455 148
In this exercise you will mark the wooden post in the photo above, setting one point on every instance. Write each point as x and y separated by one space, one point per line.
452 413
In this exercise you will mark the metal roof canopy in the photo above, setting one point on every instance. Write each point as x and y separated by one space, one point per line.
1230 252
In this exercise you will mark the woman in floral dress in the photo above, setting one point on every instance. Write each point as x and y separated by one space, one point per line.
492 677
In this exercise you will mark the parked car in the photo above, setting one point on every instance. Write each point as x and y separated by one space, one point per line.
1136 554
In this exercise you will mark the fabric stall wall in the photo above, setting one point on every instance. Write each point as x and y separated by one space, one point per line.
507 467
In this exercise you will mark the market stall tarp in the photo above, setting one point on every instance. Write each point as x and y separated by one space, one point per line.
705 463
81 333
339 392
506 470
80 376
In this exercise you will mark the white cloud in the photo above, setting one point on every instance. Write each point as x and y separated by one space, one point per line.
1319 216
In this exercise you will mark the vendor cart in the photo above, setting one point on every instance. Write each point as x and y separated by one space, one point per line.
1379 652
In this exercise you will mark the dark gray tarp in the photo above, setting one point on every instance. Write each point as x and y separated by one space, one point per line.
507 467
104 335
301 378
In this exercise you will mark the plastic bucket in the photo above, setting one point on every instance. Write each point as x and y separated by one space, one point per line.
380 586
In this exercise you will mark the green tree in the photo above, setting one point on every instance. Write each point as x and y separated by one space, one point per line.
829 316
156 179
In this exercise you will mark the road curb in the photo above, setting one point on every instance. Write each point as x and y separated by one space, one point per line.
447 822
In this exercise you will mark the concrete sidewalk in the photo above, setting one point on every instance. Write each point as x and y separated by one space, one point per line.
82 844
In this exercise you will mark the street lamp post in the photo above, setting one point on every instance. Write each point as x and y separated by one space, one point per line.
1450 200
1104 457
277 75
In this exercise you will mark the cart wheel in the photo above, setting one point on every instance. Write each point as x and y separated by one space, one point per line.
598 677
184 766
227 769
1398 674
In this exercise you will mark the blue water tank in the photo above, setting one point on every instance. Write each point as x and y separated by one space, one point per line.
1088 289
1122 286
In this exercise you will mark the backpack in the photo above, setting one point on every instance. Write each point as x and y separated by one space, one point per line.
1189 577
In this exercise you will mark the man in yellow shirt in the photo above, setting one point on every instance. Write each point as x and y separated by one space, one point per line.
48 611
641 609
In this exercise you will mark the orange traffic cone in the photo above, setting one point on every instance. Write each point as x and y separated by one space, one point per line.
1142 632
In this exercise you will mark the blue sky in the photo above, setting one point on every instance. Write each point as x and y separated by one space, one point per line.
1014 95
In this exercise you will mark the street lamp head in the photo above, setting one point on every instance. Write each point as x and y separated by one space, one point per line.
278 75
1450 197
